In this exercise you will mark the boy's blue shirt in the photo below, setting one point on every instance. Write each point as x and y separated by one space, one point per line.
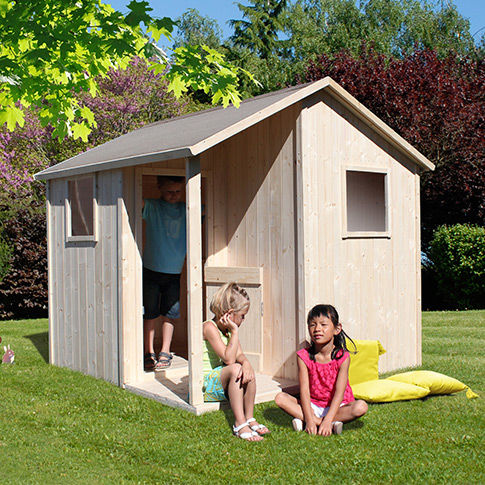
165 242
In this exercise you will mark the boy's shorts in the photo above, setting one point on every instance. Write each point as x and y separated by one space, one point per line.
161 294
322 412
213 390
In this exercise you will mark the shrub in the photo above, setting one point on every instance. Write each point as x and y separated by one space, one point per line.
5 257
457 267
23 290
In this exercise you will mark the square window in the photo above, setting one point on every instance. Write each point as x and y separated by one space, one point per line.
366 203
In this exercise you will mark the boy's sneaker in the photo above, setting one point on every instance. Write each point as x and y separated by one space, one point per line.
297 424
337 427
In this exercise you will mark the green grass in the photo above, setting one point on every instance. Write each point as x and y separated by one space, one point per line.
59 426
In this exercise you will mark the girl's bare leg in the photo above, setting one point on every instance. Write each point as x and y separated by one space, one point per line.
149 334
248 401
289 404
236 397
351 411
167 334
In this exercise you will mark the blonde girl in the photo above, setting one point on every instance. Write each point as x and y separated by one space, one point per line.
227 372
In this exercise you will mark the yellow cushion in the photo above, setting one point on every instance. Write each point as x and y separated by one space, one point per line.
387 391
364 365
434 381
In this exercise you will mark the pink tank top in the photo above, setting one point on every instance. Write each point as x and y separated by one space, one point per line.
322 379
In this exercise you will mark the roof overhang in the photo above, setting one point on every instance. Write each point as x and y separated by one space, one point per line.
225 124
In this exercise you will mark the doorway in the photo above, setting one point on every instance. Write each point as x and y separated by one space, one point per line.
149 189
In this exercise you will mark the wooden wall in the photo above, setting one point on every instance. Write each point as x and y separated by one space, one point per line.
374 282
253 224
83 284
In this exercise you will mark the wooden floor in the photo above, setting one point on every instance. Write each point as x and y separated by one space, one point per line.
171 387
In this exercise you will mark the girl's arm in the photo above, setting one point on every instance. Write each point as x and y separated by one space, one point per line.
247 372
227 353
308 415
325 427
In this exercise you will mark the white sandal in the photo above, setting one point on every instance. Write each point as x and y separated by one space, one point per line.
246 435
258 427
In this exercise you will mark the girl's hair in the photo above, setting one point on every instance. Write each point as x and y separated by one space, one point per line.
229 297
339 340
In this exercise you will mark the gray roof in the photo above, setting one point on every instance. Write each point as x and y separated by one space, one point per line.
192 134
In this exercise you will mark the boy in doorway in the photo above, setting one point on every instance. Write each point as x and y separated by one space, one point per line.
163 259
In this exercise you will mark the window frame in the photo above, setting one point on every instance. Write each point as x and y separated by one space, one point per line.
88 237
346 234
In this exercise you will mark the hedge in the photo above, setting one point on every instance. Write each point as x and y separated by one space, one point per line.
454 276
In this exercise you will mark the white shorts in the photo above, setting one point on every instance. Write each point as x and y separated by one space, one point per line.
322 412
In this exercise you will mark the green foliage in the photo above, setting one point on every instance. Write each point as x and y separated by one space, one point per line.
271 73
392 27
457 264
50 51
194 29
259 32
277 45
59 425
23 289
5 257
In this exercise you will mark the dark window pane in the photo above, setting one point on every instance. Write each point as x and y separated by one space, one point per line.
81 202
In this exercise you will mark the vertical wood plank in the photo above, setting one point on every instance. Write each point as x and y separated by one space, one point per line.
301 328
100 338
194 279
137 269
108 246
60 277
81 322
417 227
50 279
288 296
115 348
275 225
130 277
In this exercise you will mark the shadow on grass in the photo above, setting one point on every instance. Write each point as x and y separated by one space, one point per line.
276 416
280 418
41 343
229 416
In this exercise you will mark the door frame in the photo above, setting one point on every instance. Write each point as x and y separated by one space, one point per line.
139 374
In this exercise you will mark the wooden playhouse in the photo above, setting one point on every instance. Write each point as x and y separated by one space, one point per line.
309 198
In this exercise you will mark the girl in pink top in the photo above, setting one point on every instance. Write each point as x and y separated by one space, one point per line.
326 399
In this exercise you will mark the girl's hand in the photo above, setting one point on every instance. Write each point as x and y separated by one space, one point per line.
246 373
311 427
228 323
325 428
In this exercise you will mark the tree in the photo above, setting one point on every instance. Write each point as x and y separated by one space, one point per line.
437 105
194 29
52 50
259 33
126 99
23 290
392 27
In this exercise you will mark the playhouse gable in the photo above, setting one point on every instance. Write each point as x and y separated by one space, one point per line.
192 134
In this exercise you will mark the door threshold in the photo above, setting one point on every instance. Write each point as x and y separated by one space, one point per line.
171 387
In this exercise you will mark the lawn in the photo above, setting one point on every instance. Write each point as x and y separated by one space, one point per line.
59 426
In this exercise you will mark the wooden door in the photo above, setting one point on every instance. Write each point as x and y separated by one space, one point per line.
251 332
